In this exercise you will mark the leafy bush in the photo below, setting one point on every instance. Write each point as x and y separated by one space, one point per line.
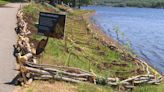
133 3
2 2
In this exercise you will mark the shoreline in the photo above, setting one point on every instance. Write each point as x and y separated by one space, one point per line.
110 41
124 7
128 6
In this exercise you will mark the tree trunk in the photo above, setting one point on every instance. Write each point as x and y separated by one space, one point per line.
74 3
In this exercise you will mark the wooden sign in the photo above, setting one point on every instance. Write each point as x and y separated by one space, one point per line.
52 25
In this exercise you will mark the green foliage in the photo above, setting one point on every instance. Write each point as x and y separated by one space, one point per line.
85 2
102 81
117 31
149 88
3 2
132 3
13 0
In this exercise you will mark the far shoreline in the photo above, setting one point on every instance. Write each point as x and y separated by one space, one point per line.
123 7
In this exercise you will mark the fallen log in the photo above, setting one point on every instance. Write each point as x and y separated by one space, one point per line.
67 73
50 71
56 67
48 77
24 58
38 71
135 77
140 81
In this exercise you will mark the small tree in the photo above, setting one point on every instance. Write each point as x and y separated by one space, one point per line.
86 2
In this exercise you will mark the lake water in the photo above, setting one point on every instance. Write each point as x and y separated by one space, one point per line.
142 27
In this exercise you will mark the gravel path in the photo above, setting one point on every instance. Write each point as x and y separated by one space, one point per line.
7 39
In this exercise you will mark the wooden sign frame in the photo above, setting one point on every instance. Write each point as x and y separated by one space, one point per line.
52 25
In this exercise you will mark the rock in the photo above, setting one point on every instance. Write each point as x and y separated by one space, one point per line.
29 81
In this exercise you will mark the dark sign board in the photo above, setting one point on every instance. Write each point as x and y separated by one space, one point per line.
52 25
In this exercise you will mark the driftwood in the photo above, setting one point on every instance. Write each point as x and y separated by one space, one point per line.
30 70
44 74
47 77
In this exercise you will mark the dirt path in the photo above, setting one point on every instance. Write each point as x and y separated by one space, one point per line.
7 39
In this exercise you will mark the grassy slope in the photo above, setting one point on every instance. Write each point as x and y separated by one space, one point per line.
86 52
150 88
134 3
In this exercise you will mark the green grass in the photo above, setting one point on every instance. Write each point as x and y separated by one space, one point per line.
150 88
3 2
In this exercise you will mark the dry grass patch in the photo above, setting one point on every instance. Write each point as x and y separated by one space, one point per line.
43 86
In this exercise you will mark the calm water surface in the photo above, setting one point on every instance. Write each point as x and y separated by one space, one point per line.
142 27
